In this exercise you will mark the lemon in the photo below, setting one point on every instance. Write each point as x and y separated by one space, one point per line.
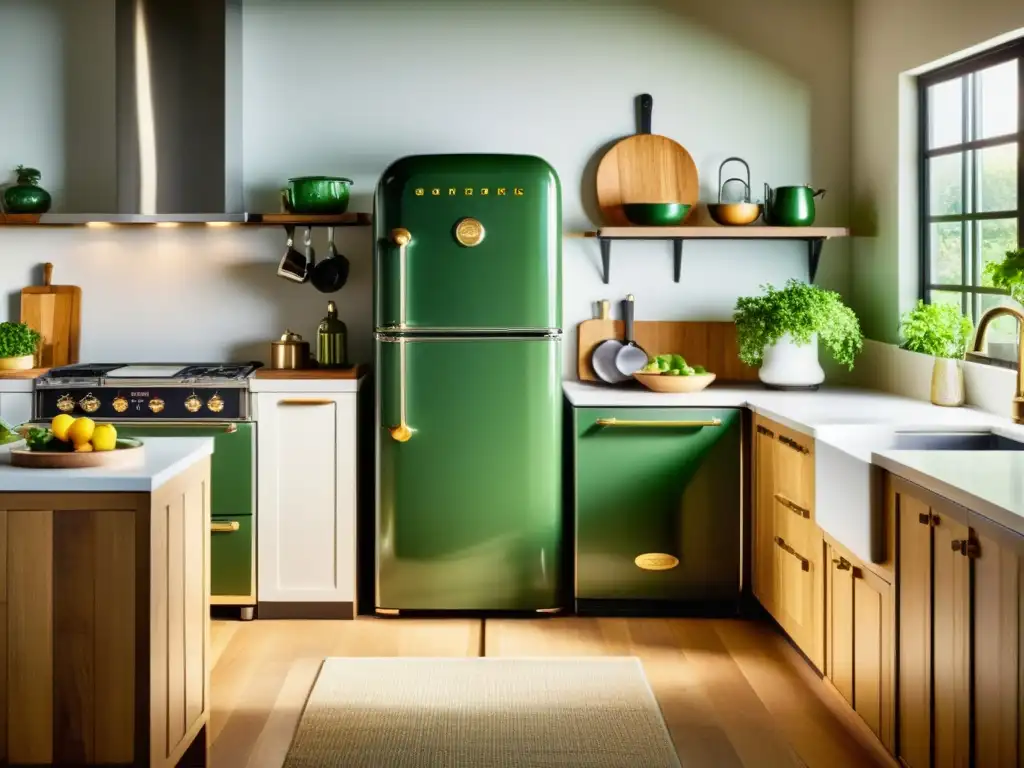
104 437
60 426
83 447
81 431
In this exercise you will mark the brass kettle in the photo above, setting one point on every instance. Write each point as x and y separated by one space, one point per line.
290 352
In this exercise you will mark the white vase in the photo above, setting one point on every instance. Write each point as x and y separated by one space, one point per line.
948 382
23 363
790 366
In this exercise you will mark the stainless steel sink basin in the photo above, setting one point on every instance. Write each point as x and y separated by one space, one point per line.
952 441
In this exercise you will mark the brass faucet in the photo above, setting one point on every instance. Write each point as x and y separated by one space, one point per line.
979 345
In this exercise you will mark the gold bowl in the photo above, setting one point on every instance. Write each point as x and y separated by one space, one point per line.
734 214
659 382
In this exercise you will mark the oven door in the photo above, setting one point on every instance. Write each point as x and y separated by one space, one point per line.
232 494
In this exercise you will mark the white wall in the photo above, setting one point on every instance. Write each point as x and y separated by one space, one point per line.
347 88
893 38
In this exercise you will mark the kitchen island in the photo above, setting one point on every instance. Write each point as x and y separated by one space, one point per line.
104 611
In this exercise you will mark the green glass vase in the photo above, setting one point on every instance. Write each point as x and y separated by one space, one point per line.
26 196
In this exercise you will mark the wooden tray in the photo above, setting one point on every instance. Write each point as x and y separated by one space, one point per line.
28 373
707 343
128 455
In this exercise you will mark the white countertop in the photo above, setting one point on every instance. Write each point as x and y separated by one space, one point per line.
165 458
860 422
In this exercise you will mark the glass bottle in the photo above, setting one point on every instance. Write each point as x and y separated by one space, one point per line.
332 340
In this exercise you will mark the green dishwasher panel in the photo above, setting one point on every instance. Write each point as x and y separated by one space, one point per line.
231 550
658 504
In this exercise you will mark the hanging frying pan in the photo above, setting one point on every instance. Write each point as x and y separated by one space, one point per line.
602 359
631 357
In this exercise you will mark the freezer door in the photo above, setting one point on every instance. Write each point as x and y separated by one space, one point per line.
484 244
469 506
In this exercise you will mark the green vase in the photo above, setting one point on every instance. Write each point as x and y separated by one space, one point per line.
26 196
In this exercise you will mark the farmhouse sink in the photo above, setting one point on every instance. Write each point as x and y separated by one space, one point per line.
849 499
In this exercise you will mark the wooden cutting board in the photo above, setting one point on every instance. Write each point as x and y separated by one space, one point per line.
644 168
707 343
55 312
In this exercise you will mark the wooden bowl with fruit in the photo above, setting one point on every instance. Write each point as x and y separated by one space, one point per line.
72 443
671 373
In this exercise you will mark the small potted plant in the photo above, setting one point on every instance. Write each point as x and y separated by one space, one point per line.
18 345
781 329
942 331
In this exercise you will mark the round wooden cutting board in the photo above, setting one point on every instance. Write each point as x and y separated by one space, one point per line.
129 454
645 168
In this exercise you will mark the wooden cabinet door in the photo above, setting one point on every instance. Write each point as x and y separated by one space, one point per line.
794 471
951 638
998 611
800 594
306 489
873 653
914 583
839 623
763 549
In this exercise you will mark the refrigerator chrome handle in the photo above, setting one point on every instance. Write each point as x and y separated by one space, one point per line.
402 431
660 424
401 237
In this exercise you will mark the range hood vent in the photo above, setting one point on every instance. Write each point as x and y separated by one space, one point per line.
179 110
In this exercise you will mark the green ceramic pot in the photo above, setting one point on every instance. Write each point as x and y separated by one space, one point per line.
656 214
26 196
316 194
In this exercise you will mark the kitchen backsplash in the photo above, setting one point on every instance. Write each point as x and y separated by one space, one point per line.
554 79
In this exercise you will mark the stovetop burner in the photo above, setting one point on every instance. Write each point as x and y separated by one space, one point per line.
118 374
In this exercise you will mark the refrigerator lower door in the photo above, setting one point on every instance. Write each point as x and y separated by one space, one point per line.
469 472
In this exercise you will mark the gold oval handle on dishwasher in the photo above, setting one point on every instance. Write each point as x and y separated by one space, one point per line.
658 424
793 507
229 527
305 401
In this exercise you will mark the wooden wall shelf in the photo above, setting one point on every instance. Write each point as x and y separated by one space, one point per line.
185 220
815 238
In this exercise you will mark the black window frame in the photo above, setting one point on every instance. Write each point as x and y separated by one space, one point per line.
970 293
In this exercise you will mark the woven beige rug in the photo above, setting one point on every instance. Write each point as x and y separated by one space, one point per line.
482 713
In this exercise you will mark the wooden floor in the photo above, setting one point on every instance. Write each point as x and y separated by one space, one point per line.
733 693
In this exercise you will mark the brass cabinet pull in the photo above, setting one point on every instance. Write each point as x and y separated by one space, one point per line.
765 431
790 443
658 424
229 527
842 564
305 401
972 549
924 519
805 564
957 545
806 513
401 237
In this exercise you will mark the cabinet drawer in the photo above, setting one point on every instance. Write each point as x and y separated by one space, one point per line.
231 556
794 473
796 529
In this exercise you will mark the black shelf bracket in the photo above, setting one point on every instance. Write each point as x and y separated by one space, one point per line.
814 246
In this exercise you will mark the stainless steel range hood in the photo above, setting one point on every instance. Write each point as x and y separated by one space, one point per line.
179 113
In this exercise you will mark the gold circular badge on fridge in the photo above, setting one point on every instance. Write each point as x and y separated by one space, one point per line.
469 232
656 561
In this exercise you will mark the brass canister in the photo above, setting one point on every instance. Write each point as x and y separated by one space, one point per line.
289 353
332 340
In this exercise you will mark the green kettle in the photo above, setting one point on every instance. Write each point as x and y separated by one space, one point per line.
790 206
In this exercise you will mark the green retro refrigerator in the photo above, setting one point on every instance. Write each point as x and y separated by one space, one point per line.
467 315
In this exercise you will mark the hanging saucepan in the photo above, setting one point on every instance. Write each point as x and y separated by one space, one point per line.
331 273
631 357
734 214
602 359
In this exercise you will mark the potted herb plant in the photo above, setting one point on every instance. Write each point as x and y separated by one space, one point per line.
18 345
781 329
942 331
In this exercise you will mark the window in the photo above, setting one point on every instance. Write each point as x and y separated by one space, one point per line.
972 183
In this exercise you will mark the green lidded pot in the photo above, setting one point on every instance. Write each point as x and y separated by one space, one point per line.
26 196
332 340
316 194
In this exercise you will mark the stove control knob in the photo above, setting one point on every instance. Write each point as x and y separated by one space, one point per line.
156 405
120 404
90 403
193 404
65 403
215 404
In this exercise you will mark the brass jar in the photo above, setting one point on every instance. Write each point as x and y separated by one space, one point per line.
290 352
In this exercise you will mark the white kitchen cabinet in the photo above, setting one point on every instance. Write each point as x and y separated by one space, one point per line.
306 504
15 407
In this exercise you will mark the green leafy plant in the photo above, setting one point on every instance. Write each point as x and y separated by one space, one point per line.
801 310
17 340
27 175
939 330
1008 274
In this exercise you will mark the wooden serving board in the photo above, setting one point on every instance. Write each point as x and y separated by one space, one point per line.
55 312
27 373
311 373
708 343
131 455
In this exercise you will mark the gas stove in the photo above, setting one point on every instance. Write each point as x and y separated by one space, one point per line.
146 391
